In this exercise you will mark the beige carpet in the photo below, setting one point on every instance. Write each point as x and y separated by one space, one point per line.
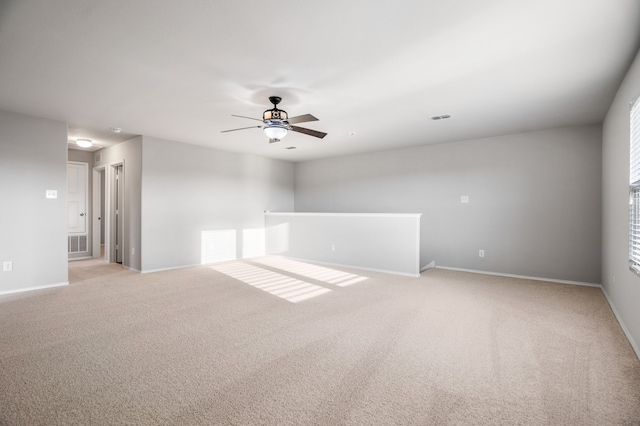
199 346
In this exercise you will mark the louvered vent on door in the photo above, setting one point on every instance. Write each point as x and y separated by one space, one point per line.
77 243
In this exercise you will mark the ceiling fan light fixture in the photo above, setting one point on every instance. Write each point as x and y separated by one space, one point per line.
84 143
275 132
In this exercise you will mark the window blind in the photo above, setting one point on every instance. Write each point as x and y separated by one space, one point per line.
634 188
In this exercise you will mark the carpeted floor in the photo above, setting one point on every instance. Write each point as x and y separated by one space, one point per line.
269 341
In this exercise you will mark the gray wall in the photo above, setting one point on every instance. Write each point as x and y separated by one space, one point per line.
624 292
189 191
534 199
82 157
33 229
375 241
129 154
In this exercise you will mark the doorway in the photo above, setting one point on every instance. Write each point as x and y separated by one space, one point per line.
77 209
108 202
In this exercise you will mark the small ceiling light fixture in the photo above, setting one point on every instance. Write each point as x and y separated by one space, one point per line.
115 129
84 143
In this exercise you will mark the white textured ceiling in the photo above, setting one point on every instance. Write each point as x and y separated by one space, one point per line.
178 70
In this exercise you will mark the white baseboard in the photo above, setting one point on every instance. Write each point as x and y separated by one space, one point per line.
73 259
150 271
429 265
632 342
474 271
20 290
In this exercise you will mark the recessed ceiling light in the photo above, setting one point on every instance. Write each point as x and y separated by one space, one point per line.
115 129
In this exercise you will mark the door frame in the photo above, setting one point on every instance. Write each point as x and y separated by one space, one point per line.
98 194
111 226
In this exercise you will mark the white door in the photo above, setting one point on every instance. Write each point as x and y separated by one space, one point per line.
77 177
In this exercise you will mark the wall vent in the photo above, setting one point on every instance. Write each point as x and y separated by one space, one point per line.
77 243
98 157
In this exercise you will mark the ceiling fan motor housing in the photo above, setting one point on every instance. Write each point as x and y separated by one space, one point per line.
275 113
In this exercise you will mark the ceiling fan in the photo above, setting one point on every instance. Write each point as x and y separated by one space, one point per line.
276 123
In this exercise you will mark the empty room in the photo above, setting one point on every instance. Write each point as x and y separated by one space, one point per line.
320 213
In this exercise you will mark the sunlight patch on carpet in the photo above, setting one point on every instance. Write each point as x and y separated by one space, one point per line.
319 273
290 289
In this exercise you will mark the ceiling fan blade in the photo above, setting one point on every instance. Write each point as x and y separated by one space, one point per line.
302 119
242 116
308 132
241 128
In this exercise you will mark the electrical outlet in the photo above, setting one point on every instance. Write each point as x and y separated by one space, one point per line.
464 199
133 251
481 253
333 247
7 266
